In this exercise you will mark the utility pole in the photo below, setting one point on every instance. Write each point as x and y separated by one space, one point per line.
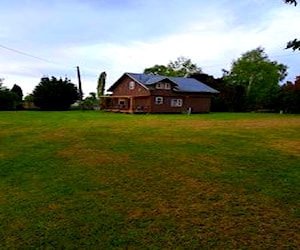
79 84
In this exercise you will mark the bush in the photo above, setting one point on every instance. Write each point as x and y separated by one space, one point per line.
8 100
54 94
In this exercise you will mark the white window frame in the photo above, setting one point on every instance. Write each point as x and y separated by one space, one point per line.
159 85
176 102
131 85
159 100
167 85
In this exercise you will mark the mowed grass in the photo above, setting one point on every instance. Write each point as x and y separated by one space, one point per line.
92 180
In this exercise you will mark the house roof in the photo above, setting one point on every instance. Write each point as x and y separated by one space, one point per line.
182 84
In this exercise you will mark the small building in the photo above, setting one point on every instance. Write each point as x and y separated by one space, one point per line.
149 93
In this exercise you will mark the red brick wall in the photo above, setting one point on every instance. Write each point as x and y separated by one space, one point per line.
142 104
199 103
123 88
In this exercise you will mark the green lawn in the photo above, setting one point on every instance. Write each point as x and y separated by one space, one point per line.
92 180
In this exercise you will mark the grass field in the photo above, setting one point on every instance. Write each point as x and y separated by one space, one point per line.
91 180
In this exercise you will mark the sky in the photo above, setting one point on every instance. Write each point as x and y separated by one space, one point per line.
53 37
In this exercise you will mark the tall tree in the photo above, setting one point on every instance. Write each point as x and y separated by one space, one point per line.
101 88
19 96
258 75
54 94
101 84
181 67
18 90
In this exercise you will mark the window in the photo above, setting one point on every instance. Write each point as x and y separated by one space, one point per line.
159 100
159 85
122 103
131 85
176 102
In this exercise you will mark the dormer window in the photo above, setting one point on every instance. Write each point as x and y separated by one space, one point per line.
159 85
131 85
163 85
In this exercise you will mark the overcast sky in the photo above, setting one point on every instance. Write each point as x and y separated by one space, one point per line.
120 36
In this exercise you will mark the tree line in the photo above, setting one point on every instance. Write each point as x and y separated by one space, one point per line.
251 84
50 94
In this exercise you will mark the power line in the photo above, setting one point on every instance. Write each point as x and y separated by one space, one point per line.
93 69
24 54
32 56
41 59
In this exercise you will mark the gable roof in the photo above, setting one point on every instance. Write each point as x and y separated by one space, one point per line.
183 84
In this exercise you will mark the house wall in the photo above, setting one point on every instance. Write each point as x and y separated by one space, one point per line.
142 104
123 88
199 103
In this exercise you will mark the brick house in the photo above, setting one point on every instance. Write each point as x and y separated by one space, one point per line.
149 93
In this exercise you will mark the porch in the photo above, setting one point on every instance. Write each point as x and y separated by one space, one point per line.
125 104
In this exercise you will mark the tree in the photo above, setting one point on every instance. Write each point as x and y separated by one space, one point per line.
29 98
160 70
230 97
184 66
290 96
258 76
90 101
101 88
101 84
294 44
8 99
54 94
181 67
17 89
19 95
1 83
207 79
291 2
